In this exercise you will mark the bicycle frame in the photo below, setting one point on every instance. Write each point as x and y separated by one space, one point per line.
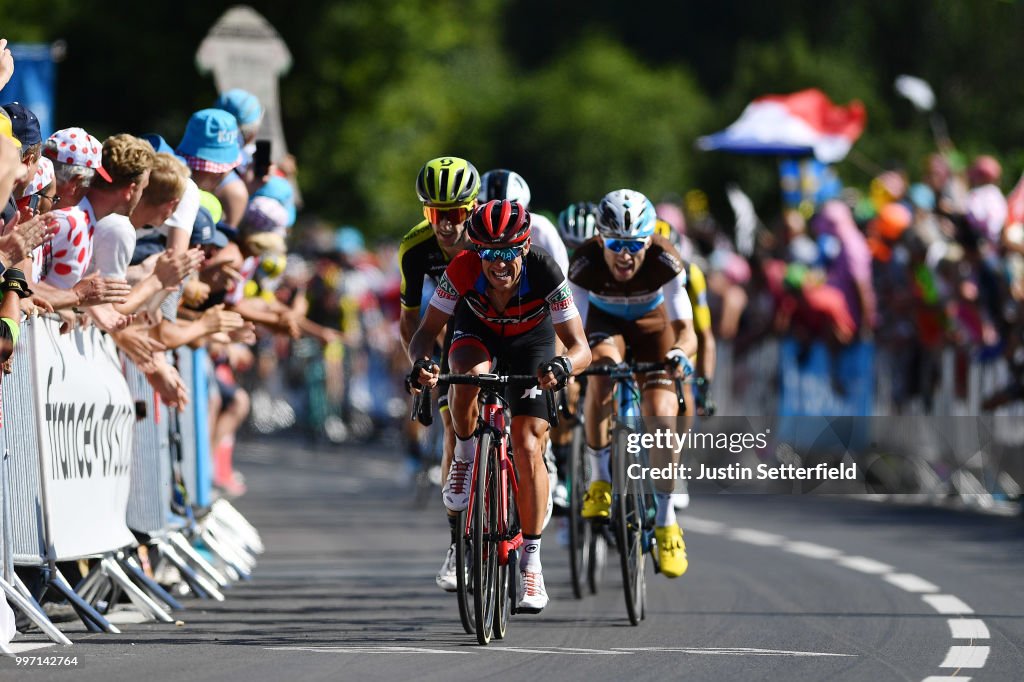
492 418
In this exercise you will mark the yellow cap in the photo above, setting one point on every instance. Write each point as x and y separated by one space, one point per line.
6 130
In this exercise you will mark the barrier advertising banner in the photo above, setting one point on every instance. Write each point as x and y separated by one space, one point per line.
85 447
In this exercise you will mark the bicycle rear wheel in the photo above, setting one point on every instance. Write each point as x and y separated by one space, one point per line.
485 548
462 553
630 518
579 528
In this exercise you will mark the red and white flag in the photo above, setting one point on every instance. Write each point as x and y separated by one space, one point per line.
800 124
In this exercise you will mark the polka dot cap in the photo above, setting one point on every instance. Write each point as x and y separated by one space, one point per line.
42 179
76 147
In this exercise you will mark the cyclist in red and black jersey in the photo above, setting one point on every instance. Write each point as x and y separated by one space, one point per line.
516 300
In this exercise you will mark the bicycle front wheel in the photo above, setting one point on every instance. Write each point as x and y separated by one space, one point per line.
485 546
579 528
630 517
463 551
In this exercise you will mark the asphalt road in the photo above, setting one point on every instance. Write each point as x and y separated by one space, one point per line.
788 588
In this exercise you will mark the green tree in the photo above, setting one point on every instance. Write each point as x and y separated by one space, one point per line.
597 119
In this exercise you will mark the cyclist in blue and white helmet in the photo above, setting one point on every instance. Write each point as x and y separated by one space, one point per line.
625 214
504 185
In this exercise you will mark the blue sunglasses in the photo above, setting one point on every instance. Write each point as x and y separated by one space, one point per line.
634 246
507 254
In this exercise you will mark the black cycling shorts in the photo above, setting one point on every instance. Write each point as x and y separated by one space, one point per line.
521 354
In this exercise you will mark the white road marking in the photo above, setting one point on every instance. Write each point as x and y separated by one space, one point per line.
562 651
939 678
729 651
756 537
22 647
910 582
968 628
864 565
812 550
703 526
965 657
557 650
947 604
368 649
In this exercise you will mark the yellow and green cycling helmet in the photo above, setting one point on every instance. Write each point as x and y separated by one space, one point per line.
448 182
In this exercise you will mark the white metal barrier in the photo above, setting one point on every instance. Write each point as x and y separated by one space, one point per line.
86 465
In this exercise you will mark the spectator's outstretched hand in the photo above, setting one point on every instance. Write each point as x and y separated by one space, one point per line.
196 292
217 320
172 268
27 235
245 334
140 347
35 304
108 319
94 290
6 63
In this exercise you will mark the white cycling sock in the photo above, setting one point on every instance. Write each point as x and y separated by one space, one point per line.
531 555
600 464
666 515
465 450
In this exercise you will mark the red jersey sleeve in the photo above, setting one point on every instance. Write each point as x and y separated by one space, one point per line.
458 278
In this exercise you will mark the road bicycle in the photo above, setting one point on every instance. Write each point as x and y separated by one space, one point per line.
588 543
489 529
633 503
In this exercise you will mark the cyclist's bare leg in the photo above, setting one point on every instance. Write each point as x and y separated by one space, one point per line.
528 442
462 406
449 445
659 407
597 405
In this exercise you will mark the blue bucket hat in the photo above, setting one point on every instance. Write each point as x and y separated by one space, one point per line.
211 136
279 189
241 104
158 143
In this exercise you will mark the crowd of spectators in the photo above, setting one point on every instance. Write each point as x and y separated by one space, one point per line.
158 245
919 264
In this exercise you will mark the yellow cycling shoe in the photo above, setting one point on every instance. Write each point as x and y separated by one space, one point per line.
671 550
597 503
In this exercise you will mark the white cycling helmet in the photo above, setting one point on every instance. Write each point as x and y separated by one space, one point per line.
625 214
504 185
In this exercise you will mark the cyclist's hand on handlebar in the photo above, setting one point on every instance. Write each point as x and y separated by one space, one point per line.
424 373
554 374
682 364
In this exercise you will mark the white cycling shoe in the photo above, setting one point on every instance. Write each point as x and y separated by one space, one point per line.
533 596
455 492
446 578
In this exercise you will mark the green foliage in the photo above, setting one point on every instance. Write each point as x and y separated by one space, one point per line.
579 99
597 120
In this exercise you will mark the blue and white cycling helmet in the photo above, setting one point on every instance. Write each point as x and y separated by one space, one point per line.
625 214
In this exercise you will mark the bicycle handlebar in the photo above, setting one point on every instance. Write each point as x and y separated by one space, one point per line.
624 370
489 382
